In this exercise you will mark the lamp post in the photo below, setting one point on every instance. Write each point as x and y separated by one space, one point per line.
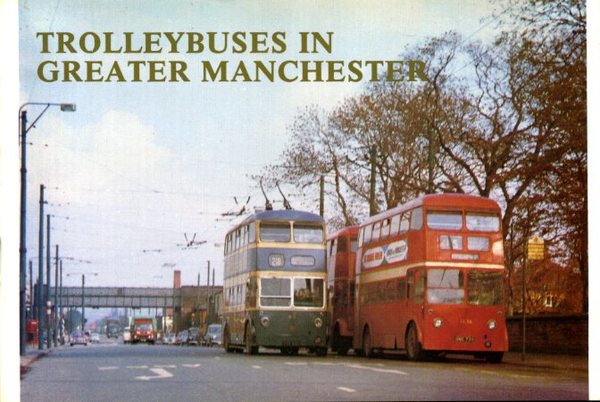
83 295
23 130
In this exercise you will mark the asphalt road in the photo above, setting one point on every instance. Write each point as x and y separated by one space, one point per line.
113 371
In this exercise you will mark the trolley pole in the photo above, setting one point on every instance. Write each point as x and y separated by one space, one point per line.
322 195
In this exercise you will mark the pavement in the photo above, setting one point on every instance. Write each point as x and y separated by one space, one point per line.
538 360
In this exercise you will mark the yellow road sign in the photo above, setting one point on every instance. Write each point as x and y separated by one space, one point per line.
535 248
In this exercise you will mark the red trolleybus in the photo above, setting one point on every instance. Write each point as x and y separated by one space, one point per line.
429 278
341 259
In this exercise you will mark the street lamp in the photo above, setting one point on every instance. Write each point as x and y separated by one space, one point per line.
23 130
83 296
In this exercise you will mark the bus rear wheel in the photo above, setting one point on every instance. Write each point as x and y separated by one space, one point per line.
414 350
339 345
227 341
250 348
289 350
494 357
367 344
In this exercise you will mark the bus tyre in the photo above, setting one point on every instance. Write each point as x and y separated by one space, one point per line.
250 348
414 350
227 341
494 357
367 344
321 352
339 345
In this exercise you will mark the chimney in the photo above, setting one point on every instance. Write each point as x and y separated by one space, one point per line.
176 279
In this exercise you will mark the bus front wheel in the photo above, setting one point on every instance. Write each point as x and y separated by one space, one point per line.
250 348
414 351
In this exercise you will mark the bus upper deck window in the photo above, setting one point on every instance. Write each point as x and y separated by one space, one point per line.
483 223
367 234
416 219
308 234
375 233
385 228
279 232
252 232
395 225
444 220
404 222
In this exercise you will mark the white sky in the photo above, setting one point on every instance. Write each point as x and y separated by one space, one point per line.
138 165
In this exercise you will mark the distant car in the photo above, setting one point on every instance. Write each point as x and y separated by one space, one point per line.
126 335
94 337
182 338
193 336
78 338
213 335
168 338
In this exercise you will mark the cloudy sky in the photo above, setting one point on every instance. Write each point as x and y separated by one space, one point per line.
139 166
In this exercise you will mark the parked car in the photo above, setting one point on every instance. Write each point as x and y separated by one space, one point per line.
126 335
94 337
193 336
78 338
213 335
182 338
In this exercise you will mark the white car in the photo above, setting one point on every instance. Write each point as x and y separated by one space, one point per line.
126 335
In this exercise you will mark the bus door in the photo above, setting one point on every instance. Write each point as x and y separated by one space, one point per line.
415 291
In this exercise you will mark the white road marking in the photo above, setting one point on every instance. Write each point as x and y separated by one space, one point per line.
191 365
256 367
296 363
108 368
346 389
136 367
160 373
378 370
165 365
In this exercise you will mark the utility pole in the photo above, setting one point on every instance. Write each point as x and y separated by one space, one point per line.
31 293
23 236
82 302
62 336
207 286
372 206
197 320
55 307
47 297
322 195
40 303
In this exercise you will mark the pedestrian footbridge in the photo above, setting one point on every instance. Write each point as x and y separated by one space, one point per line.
97 297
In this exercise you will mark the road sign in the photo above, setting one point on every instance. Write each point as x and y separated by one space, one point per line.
535 248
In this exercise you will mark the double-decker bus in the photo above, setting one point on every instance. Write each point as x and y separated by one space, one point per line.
274 286
341 260
430 279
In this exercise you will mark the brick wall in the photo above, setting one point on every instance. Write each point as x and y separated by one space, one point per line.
550 334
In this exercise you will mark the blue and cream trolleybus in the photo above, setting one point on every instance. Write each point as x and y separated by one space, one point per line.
274 288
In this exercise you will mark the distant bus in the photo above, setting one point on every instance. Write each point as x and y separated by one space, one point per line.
430 280
341 261
113 328
275 283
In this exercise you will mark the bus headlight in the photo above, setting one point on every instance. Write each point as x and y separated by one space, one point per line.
491 324
318 322
437 322
276 260
265 321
